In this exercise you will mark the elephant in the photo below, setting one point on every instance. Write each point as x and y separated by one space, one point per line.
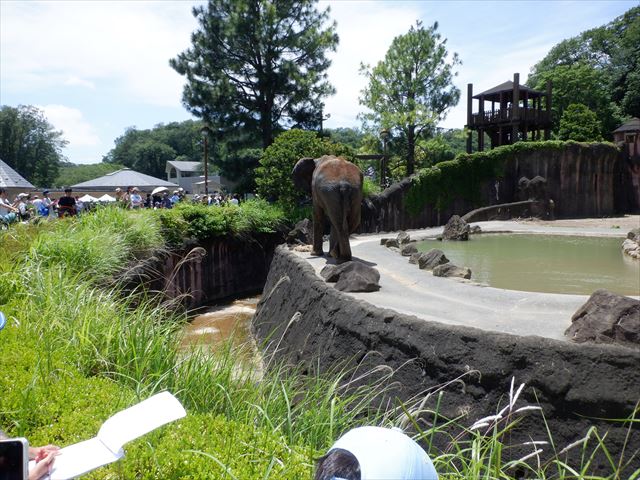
335 185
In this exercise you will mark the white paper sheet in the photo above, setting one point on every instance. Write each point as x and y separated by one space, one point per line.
121 428
82 457
135 421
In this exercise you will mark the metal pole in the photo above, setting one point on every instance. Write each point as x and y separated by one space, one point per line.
206 165
384 163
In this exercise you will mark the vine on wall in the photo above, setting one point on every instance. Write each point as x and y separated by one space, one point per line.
463 176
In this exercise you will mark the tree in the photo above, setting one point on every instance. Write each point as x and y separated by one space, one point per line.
257 65
580 124
147 151
70 173
273 176
412 88
599 68
29 144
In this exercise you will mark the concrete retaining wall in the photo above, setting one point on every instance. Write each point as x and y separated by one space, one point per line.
571 382
201 273
582 180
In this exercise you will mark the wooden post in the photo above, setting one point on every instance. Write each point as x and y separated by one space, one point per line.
469 115
547 128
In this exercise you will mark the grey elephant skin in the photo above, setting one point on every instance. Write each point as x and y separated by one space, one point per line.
335 185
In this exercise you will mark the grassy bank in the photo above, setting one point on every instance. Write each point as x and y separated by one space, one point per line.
75 351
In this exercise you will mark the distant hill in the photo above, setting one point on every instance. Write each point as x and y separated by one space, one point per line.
71 173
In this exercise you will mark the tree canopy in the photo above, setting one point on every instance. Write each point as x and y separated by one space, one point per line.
257 65
580 124
71 173
599 68
410 91
147 151
29 144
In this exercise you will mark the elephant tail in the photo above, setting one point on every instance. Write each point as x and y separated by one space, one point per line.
346 191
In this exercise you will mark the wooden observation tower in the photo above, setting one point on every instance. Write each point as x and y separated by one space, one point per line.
517 113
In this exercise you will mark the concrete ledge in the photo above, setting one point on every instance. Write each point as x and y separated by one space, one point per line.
305 320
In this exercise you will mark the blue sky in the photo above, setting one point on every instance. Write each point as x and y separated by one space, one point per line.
98 67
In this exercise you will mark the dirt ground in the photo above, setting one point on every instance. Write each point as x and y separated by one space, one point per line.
626 223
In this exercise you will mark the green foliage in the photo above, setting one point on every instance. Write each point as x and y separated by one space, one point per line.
147 151
273 176
205 222
462 177
599 68
369 187
29 144
580 124
351 137
257 65
412 88
70 173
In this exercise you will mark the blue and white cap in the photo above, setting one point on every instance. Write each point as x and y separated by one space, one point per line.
387 453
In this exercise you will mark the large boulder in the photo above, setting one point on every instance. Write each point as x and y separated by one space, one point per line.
431 259
451 270
352 277
403 238
408 249
606 318
302 233
631 245
456 229
392 243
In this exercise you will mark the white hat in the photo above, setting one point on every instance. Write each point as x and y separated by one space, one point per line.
385 453
22 195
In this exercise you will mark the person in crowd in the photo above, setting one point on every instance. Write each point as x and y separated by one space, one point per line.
175 198
126 198
181 194
67 204
375 453
24 206
234 199
148 201
166 200
46 204
8 213
43 456
80 207
135 199
119 195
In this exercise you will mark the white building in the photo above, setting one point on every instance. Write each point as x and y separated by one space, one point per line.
190 176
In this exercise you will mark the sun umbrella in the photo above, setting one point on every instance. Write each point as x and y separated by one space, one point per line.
159 190
106 198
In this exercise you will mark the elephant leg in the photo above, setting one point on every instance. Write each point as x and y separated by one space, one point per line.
318 230
334 245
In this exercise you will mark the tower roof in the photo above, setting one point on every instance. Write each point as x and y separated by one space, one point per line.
493 94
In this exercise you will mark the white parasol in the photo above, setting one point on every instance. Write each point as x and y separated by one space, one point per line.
88 198
159 190
106 198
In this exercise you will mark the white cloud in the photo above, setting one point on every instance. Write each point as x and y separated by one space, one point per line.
75 129
121 46
366 30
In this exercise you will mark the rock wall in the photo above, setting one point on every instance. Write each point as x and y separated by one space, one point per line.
582 181
201 273
308 322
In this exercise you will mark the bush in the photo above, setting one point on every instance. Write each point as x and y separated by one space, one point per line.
579 123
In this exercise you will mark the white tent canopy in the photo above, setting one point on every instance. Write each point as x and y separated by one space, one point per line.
88 198
106 198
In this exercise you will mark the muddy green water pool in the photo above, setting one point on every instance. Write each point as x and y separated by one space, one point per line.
544 263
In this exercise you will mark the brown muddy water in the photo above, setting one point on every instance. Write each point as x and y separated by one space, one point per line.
221 324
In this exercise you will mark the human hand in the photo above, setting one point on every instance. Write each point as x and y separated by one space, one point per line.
44 466
38 453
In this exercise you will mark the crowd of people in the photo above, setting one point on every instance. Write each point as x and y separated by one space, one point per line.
29 206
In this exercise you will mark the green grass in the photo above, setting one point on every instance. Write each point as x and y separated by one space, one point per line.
76 350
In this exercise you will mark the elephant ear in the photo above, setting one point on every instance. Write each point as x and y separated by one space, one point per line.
303 172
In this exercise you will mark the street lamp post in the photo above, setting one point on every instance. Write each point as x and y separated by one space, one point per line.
384 135
205 137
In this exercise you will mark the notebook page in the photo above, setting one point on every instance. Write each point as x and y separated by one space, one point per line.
82 457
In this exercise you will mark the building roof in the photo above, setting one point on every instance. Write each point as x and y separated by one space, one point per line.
9 178
632 125
506 87
124 178
184 166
